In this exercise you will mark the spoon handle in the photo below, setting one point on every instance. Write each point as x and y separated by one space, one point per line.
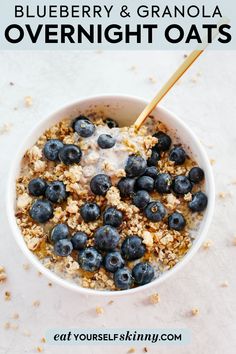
172 80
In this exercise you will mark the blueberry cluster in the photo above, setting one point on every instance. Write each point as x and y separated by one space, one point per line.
55 150
54 192
85 128
68 154
143 177
64 243
105 252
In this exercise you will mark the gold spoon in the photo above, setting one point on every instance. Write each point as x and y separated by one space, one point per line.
163 91
175 77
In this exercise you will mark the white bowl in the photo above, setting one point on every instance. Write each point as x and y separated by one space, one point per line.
124 109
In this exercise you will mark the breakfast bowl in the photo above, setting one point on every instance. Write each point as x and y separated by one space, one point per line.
124 110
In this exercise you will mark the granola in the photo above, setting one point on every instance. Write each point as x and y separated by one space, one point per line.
161 245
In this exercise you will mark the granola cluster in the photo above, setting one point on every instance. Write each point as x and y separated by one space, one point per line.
164 246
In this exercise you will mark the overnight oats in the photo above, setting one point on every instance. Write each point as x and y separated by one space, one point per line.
108 207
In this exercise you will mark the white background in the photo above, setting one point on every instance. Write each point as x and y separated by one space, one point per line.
206 100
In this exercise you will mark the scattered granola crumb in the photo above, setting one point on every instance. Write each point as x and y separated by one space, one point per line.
36 303
207 244
39 349
225 284
5 128
131 350
14 326
188 197
43 340
185 56
26 266
15 316
133 67
193 80
3 276
145 349
212 162
7 295
99 310
234 241
154 298
7 325
39 166
110 302
28 101
147 238
222 195
195 311
152 80
26 333
23 201
49 284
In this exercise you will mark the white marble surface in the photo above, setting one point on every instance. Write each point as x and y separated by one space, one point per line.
208 106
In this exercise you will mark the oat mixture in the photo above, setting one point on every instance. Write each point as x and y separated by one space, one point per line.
106 207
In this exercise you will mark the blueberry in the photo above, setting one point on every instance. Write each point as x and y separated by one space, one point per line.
154 158
56 192
135 166
106 238
196 175
155 211
178 155
133 248
113 261
63 248
90 212
198 202
113 217
90 259
145 183
163 183
70 154
79 240
37 187
176 221
51 149
181 185
41 211
84 127
126 186
151 171
59 232
76 120
100 184
143 273
141 199
106 141
111 123
164 141
123 279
